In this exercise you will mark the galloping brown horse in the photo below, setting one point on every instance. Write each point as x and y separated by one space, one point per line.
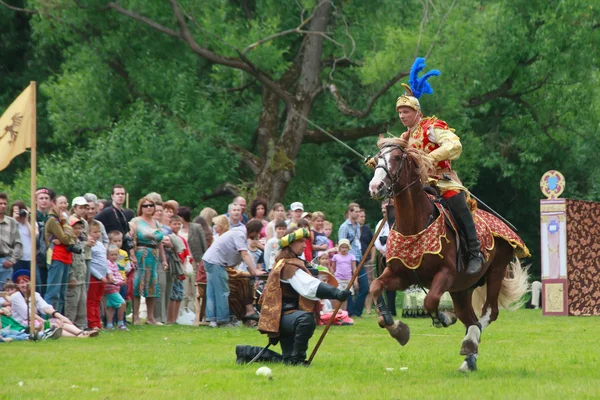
422 250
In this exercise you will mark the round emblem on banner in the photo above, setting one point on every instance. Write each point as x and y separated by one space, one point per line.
552 184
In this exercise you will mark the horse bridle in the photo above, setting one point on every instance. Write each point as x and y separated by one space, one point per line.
386 168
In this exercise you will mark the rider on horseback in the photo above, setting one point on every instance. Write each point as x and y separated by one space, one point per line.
435 137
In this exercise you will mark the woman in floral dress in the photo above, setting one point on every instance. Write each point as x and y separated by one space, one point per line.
149 252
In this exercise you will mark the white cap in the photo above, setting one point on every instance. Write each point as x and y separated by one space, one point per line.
79 201
297 206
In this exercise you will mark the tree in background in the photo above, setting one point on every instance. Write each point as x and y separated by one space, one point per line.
196 102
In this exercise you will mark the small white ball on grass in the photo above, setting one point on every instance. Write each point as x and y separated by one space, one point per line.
265 371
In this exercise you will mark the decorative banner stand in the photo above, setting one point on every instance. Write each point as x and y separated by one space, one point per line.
570 251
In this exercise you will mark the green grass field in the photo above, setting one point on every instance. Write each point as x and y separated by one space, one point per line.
522 356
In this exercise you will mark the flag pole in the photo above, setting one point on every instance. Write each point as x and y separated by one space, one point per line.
33 212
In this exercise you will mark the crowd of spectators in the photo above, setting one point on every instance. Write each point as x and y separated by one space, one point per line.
97 261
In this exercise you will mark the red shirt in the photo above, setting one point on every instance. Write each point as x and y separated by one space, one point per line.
308 251
60 253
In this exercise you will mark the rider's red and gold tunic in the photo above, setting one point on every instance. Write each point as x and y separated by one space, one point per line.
436 138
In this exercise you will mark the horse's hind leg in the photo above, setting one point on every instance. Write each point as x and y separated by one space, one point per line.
464 308
494 277
470 345
440 284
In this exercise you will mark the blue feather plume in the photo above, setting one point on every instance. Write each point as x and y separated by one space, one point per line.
420 86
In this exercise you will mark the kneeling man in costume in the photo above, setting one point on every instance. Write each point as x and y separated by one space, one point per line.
288 303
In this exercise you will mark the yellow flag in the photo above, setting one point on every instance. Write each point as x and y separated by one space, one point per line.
17 127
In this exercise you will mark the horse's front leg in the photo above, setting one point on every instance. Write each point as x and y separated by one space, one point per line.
442 281
398 330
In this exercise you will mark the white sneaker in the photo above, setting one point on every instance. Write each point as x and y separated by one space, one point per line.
52 333
213 324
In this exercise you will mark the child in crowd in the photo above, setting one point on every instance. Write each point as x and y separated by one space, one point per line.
98 280
256 253
258 257
272 245
323 260
180 250
326 308
115 238
76 296
114 300
318 238
327 229
343 266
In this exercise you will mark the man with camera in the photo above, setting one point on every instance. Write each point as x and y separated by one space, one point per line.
21 214
10 242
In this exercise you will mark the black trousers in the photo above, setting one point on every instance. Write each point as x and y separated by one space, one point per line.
296 329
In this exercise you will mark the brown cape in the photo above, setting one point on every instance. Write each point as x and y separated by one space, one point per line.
271 300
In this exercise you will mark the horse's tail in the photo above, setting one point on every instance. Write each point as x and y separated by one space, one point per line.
511 293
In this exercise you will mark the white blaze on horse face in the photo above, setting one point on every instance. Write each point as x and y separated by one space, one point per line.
379 176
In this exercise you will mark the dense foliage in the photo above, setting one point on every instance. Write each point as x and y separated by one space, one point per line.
124 101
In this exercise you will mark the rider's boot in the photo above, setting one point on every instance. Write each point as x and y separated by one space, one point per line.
458 206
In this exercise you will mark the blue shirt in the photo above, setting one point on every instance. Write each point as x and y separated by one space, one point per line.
352 233
99 262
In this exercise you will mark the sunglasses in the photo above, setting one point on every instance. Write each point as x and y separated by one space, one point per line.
147 205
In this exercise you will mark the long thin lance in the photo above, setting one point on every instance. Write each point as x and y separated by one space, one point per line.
363 158
354 276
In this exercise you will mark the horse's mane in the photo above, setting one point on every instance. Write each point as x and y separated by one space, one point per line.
423 161
382 142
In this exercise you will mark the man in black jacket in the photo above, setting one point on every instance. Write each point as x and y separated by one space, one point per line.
112 216
114 219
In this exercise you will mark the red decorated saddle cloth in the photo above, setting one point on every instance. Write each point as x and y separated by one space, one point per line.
411 249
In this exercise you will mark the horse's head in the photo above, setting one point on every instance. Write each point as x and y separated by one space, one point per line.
397 168
390 161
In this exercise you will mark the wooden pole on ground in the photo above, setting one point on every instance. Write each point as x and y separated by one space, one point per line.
354 276
32 214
